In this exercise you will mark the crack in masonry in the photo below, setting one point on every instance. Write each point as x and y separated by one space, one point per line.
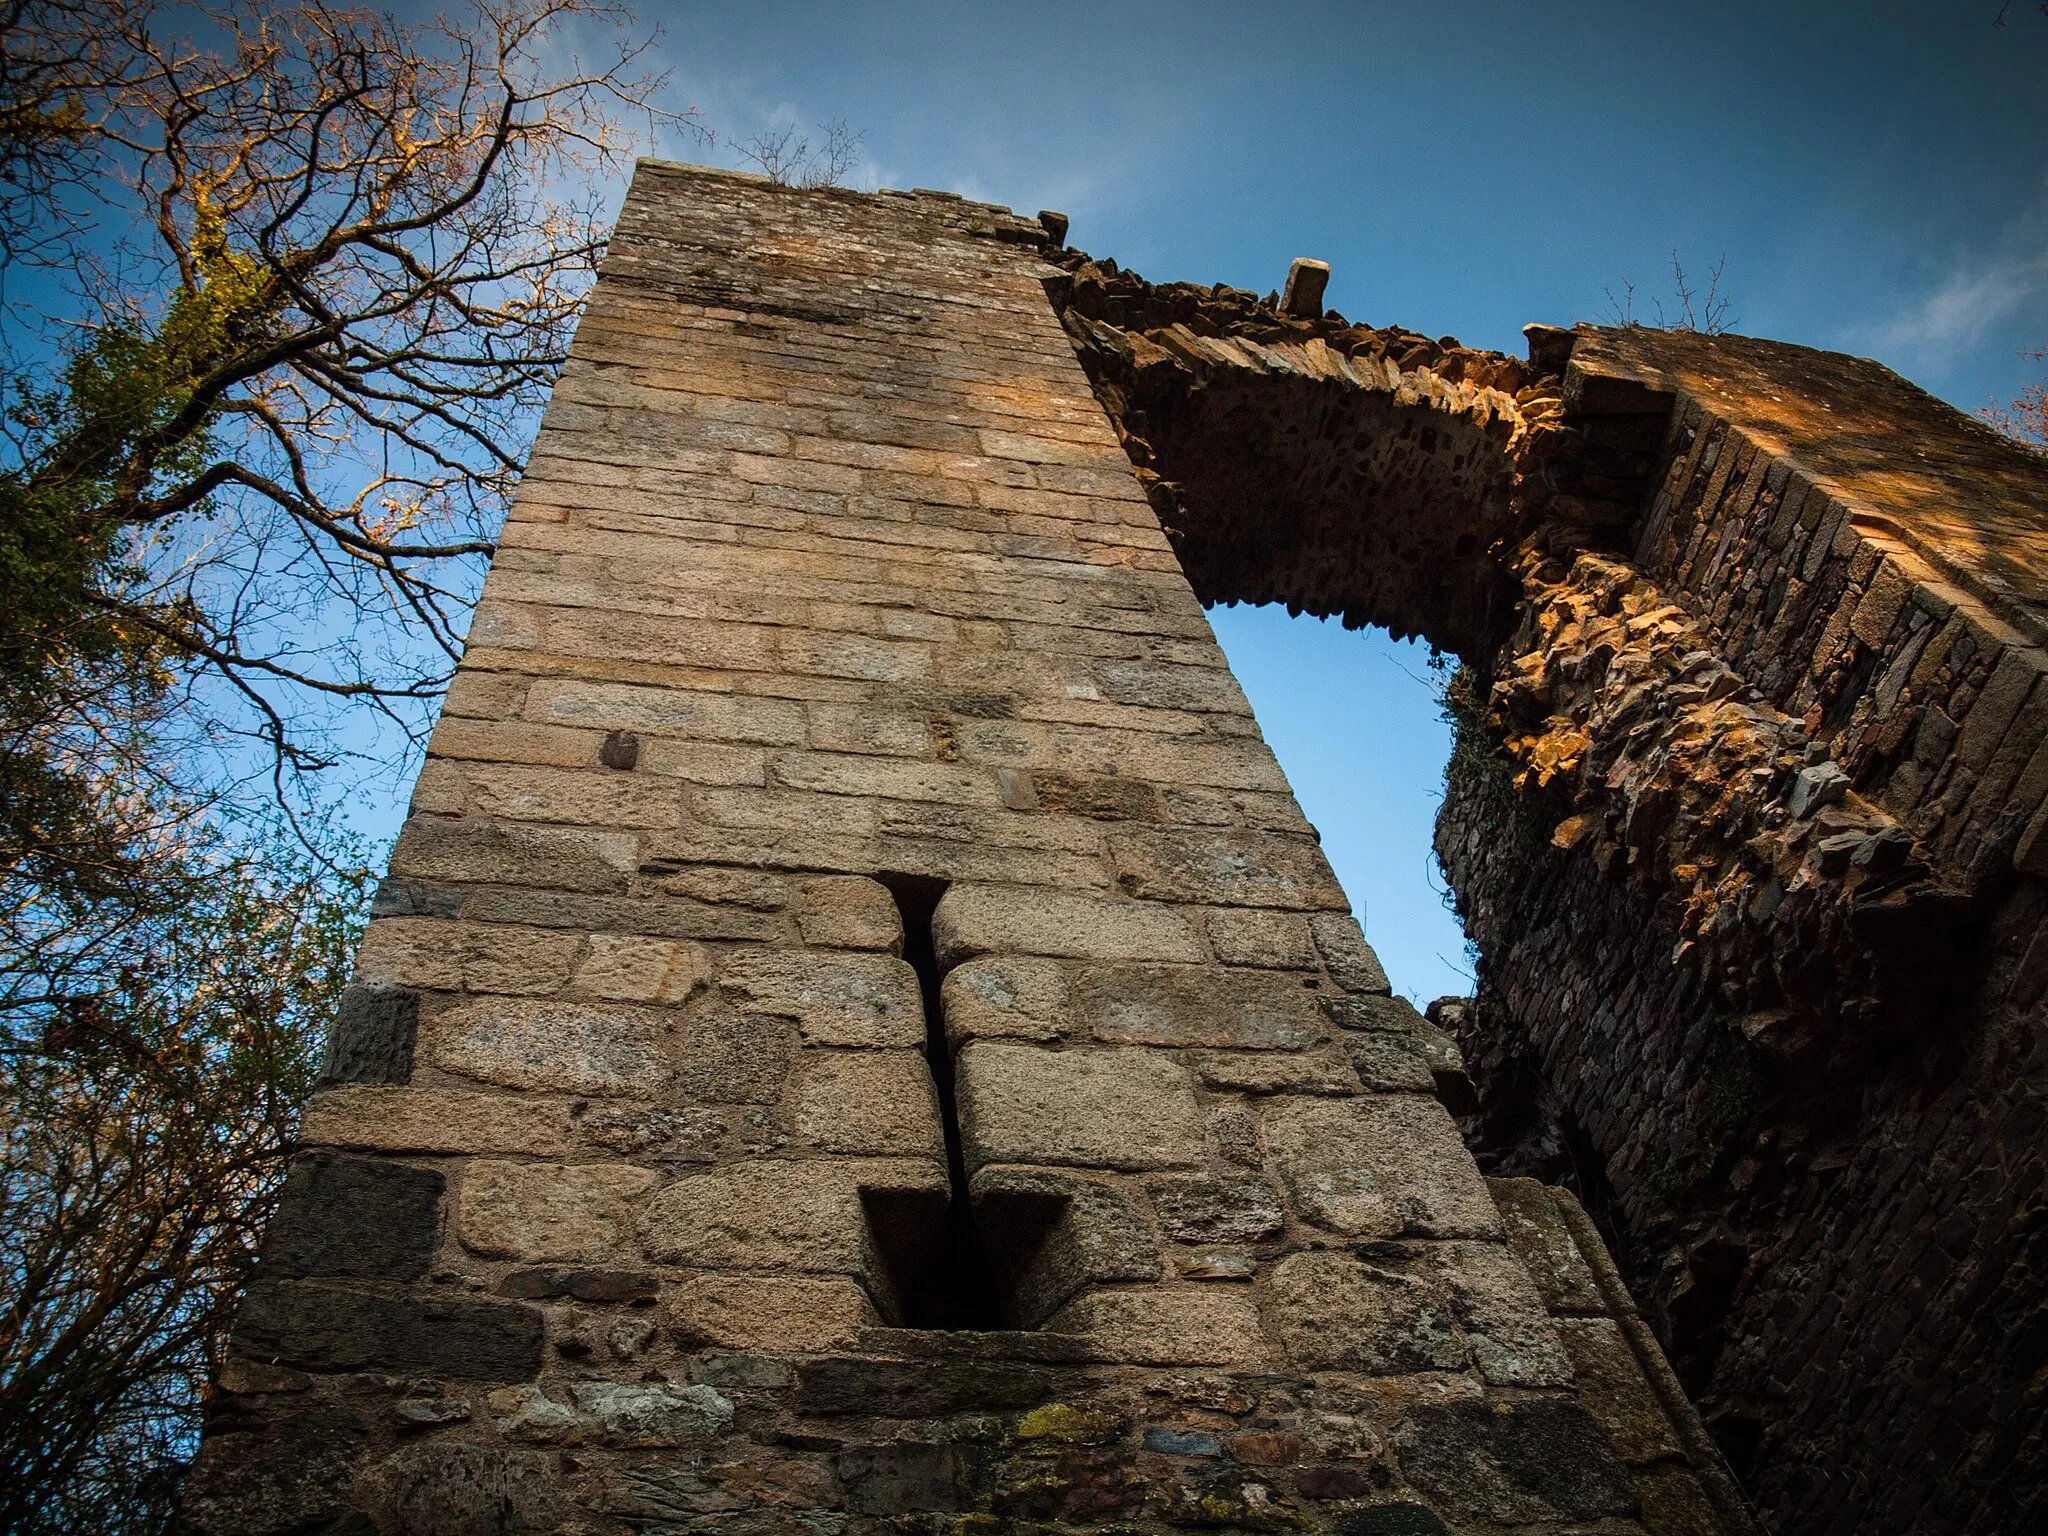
956 1286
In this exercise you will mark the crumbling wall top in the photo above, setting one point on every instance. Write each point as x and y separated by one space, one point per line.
1912 470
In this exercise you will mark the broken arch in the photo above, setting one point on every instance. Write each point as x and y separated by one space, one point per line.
1735 872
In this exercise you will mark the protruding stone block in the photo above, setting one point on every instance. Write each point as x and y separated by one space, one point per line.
1125 1109
1040 920
1370 1014
835 998
1380 1166
1303 295
1814 787
1550 346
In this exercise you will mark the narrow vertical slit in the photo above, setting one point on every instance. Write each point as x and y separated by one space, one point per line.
957 1285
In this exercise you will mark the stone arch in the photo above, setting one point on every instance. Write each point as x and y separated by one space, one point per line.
1343 470
1509 511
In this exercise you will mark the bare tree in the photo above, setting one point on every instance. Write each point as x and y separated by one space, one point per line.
301 363
2025 417
60 73
789 161
286 287
148 1107
1707 313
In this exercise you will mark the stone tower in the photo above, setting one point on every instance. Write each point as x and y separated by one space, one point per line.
857 1035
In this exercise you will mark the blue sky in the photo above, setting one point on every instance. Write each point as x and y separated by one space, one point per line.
1875 175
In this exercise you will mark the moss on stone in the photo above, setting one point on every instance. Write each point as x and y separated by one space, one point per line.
1067 1425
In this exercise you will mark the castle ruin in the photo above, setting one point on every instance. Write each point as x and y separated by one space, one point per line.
858 1037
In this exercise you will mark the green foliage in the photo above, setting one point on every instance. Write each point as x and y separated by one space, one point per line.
145 1110
163 981
122 426
132 419
1475 773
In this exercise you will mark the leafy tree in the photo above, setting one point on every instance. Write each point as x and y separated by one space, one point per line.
152 1065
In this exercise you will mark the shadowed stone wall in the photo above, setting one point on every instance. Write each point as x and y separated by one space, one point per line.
1746 816
1806 1073
857 1035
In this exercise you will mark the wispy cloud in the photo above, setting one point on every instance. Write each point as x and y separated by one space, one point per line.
1966 306
996 147
996 144
1978 296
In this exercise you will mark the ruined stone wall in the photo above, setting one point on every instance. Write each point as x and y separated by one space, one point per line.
857 1035
1746 819
1822 1153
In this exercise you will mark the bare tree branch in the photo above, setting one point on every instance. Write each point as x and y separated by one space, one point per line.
789 161
374 241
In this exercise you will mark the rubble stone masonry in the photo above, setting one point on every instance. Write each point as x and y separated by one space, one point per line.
1746 817
858 1037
